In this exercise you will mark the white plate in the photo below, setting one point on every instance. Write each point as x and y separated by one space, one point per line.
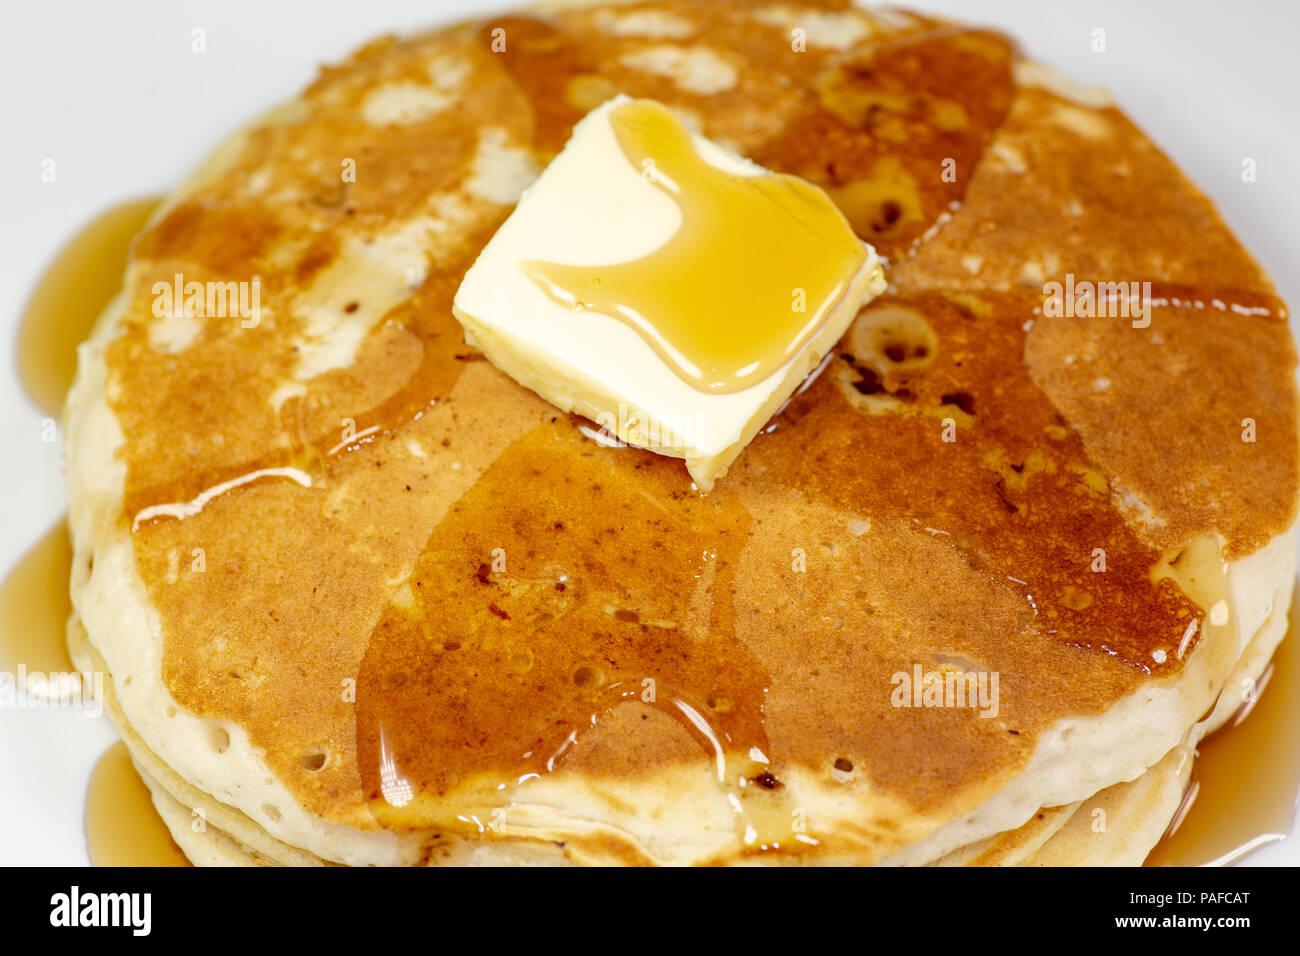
116 96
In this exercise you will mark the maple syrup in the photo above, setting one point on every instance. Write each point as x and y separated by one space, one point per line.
71 293
1247 774
783 234
34 608
122 826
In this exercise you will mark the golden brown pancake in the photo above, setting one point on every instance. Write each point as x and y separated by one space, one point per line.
413 613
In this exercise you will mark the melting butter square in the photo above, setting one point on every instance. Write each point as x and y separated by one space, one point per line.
669 290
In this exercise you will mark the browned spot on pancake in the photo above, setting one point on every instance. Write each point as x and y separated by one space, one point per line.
381 392
771 75
227 240
888 122
833 639
1002 481
206 416
572 46
1186 387
1046 201
542 60
319 254
195 418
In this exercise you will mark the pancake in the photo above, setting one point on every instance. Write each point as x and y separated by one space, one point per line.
1133 817
1070 835
363 599
1135 814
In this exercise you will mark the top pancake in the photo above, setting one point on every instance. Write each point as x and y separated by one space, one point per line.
472 590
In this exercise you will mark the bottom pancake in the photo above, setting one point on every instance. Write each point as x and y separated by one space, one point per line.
1121 824
1117 826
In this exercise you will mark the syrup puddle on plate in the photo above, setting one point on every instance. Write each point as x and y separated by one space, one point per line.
122 826
72 292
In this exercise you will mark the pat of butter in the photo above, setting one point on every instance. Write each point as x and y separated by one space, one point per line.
655 283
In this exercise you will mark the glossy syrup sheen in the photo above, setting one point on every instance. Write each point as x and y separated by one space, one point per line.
753 271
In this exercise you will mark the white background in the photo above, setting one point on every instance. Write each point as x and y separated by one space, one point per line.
112 92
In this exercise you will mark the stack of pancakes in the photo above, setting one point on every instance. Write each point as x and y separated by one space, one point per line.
360 598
